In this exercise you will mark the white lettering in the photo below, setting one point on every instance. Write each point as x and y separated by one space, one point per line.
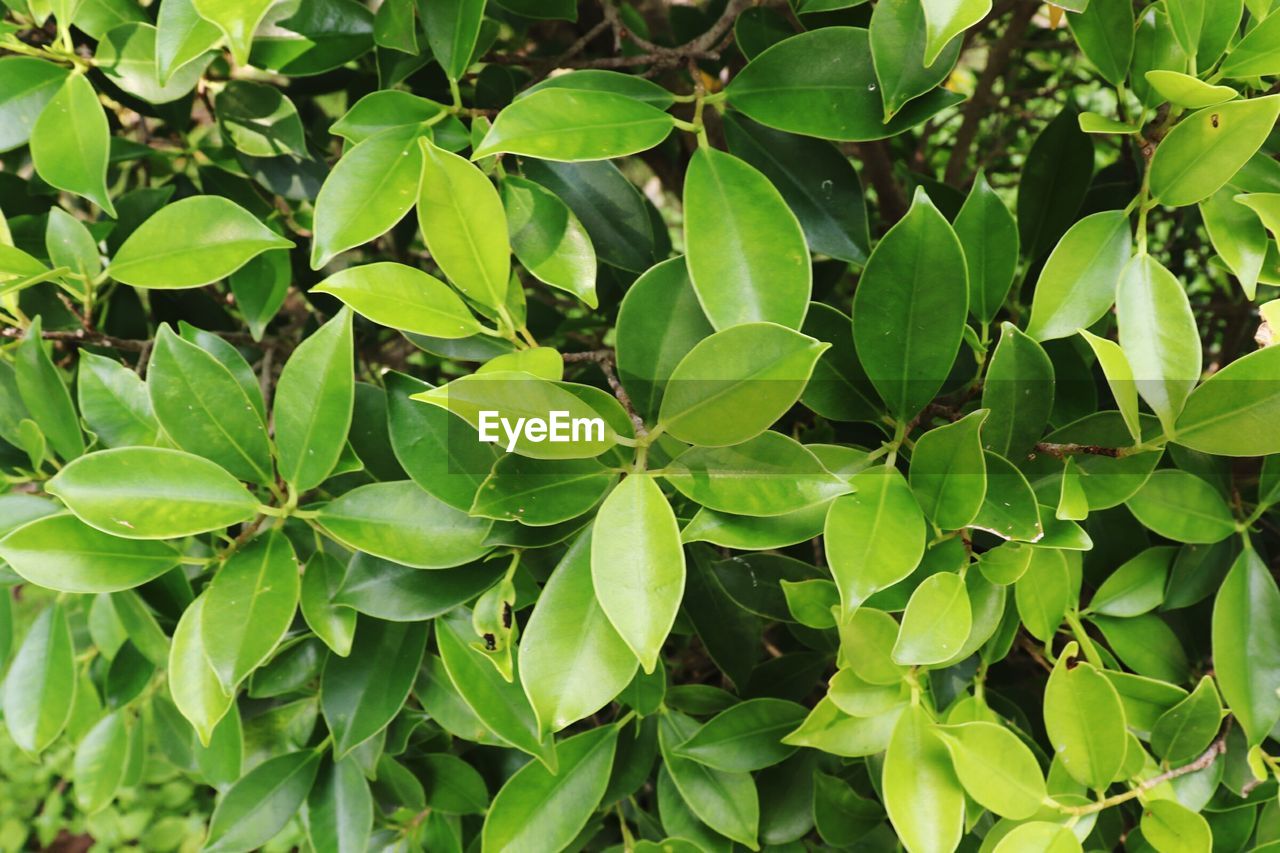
513 435
488 423
557 428
588 424
536 430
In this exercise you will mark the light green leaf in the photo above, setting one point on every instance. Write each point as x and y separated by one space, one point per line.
832 730
1246 645
917 769
40 689
30 83
1180 506
70 143
873 537
1184 731
745 737
1085 721
126 54
60 552
1044 592
571 125
996 768
1078 283
44 394
1187 91
237 19
1119 374
538 493
181 36
987 232
313 403
70 244
936 622
1256 55
549 239
948 473
1205 149
1136 587
1040 836
899 35
335 624
339 810
946 19
402 297
1171 827
1235 411
361 693
452 29
726 802
100 761
192 682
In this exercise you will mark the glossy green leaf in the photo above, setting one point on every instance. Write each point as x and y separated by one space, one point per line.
910 307
726 802
946 19
1137 586
917 769
1085 721
181 36
335 624
452 29
1231 413
361 693
236 20
1183 732
936 622
745 737
41 684
571 125
638 566
1255 54
70 244
746 251
1206 149
127 55
30 84
1104 31
100 762
1044 592
831 730
907 65
874 537
193 683
549 239
70 142
1040 836
1078 282
1187 91
1018 391
1180 506
948 473
339 810
314 398
1119 374
259 805
1169 825
989 236
996 768
61 552
44 394
402 297
1246 644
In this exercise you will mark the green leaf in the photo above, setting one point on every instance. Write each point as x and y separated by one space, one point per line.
100 761
335 624
1180 506
1233 412
569 625
399 521
549 239
1078 282
1105 33
822 83
989 236
873 537
905 65
339 810
745 737
946 19
540 809
734 384
948 473
1159 336
1136 587
1085 721
453 786
361 693
638 566
193 683
1147 645
1039 836
205 409
1053 183
237 19
996 768
383 110
1246 645
60 552
126 54
1256 54
768 475
909 309
70 142
601 80
571 125
917 769
1187 91
1237 236
831 730
1167 825
152 493
1184 731
1009 509
1208 147
540 493
30 84
70 244
369 190
313 403
257 807
259 120
747 255
248 607
452 29
41 684
726 802
1044 592
387 590
1019 392
936 622
1119 374
499 704
181 36
464 225
45 395
402 297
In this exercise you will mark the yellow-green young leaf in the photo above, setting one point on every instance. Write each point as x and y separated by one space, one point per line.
313 403
1257 54
1207 148
237 19
181 36
1187 91
152 493
1171 827
1246 645
339 812
747 255
100 763
1183 732
936 622
909 309
544 362
1237 236
1235 411
1119 374
404 298
348 212
257 807
1078 283
822 83
549 239
452 29
946 19
1043 593
127 56
734 384
769 475
996 768
383 110
40 689
572 125
499 705
727 802
1159 336
335 624
1039 836
1097 123
1136 587
1180 506
1104 31
899 36
360 694
248 607
192 242
44 394
638 566
192 682
873 537
860 698
61 552
538 809
572 660
70 244
464 226
989 235
948 474
1018 391
917 769
399 521
830 729
70 143
746 736
31 83
1085 721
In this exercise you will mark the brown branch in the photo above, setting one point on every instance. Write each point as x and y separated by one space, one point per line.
1062 451
605 359
83 337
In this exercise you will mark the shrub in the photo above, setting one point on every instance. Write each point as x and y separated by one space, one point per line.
653 486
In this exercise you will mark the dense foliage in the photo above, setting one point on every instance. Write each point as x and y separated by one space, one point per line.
936 514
